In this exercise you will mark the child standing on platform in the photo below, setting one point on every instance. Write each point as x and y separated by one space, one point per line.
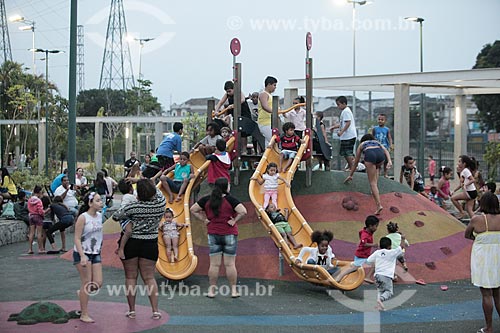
270 182
385 265
383 135
171 235
220 163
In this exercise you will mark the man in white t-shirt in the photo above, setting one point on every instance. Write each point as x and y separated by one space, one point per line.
347 131
68 195
385 265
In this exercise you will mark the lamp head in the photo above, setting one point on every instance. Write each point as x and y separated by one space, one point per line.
414 19
16 18
26 27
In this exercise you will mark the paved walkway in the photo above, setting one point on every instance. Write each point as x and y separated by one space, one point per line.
270 306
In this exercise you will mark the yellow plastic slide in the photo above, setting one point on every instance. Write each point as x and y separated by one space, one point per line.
300 228
187 260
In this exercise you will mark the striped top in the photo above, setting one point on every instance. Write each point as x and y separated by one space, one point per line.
144 215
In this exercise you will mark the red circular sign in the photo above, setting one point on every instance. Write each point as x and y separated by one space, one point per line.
309 41
235 46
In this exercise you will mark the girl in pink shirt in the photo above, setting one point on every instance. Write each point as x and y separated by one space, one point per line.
35 208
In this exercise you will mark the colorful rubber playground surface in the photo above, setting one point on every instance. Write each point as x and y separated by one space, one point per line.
438 255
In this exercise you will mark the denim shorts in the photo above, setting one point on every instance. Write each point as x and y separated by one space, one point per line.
219 244
93 258
358 262
287 154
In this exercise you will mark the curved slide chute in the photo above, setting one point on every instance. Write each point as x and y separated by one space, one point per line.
300 228
187 259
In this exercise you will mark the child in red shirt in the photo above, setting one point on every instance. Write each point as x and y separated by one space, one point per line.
289 143
220 163
364 249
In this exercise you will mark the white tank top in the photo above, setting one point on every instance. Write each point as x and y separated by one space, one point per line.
91 234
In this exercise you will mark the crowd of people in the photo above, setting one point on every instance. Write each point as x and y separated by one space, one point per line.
143 209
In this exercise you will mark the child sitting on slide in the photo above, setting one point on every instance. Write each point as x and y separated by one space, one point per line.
281 223
321 255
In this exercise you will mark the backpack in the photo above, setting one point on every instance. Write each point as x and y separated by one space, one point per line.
8 211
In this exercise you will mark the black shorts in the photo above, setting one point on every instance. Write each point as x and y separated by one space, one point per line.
165 161
431 177
142 248
472 194
374 155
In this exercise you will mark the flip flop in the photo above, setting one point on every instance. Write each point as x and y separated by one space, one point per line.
421 282
156 316
130 314
444 287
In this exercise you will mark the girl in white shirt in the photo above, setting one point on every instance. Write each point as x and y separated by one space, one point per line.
87 250
270 182
321 255
466 166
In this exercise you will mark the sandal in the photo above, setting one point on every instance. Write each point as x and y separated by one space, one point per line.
156 315
130 314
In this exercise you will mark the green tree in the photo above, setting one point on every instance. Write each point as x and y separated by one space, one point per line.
488 105
19 96
492 156
194 128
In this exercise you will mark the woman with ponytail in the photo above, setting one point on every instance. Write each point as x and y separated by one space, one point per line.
87 250
220 212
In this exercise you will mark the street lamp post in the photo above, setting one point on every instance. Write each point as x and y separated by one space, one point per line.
46 103
354 3
30 26
141 41
421 145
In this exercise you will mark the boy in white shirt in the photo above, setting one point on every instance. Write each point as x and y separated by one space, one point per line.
385 265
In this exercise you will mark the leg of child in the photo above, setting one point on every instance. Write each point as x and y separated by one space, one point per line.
469 205
456 203
274 198
182 190
126 235
369 274
385 290
346 271
31 236
293 241
166 187
41 245
175 247
267 196
44 236
167 240
63 240
401 259
288 163
281 162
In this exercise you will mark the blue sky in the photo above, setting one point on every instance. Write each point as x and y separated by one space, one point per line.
190 56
